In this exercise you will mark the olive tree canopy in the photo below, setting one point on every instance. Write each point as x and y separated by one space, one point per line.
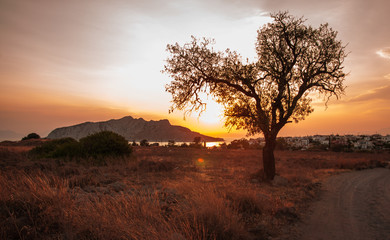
261 96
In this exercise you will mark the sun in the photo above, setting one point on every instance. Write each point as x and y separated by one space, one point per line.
213 113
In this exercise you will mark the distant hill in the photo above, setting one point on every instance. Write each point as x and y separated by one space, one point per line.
133 129
10 135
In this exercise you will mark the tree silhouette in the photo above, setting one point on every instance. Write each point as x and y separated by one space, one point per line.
31 136
144 143
294 60
197 140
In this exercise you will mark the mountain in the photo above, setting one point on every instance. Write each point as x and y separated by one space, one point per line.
133 129
9 135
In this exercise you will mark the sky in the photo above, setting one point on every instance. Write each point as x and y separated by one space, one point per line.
68 62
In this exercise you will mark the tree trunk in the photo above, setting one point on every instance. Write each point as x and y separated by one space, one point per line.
269 158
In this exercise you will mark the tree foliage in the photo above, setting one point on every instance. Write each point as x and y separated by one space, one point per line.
239 144
171 143
293 61
197 140
144 143
31 136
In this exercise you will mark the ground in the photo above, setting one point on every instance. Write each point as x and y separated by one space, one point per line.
353 205
164 193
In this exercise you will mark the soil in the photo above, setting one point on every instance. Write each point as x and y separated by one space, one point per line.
354 205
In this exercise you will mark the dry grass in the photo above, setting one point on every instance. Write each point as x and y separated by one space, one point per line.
163 193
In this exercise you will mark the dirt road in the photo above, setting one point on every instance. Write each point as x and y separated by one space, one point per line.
353 206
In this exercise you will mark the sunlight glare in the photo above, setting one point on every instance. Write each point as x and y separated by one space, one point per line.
213 113
213 144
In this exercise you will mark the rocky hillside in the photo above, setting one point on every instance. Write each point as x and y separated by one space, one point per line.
133 129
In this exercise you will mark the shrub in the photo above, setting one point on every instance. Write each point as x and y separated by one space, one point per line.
171 143
31 136
144 143
195 145
98 145
239 144
63 147
281 144
104 144
69 149
197 140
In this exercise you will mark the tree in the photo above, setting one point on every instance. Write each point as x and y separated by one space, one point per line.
239 143
144 143
171 143
197 140
294 61
31 136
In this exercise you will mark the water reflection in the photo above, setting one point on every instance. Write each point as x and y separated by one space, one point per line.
204 144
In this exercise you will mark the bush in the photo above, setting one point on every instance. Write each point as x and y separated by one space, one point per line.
194 145
63 147
281 144
197 140
104 144
144 143
98 145
69 149
31 136
239 144
171 143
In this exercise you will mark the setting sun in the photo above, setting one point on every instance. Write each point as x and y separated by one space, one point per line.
213 113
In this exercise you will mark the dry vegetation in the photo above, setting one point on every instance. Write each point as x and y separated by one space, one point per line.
163 193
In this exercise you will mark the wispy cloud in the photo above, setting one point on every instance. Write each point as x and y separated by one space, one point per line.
381 93
385 53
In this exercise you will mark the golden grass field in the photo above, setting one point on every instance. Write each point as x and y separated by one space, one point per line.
164 193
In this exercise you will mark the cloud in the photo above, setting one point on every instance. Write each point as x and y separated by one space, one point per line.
385 53
387 76
381 93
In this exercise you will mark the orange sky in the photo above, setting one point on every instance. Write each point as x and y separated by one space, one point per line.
67 62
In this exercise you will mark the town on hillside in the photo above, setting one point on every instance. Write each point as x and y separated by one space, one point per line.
375 142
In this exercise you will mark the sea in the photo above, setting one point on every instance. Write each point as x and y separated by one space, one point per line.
208 144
